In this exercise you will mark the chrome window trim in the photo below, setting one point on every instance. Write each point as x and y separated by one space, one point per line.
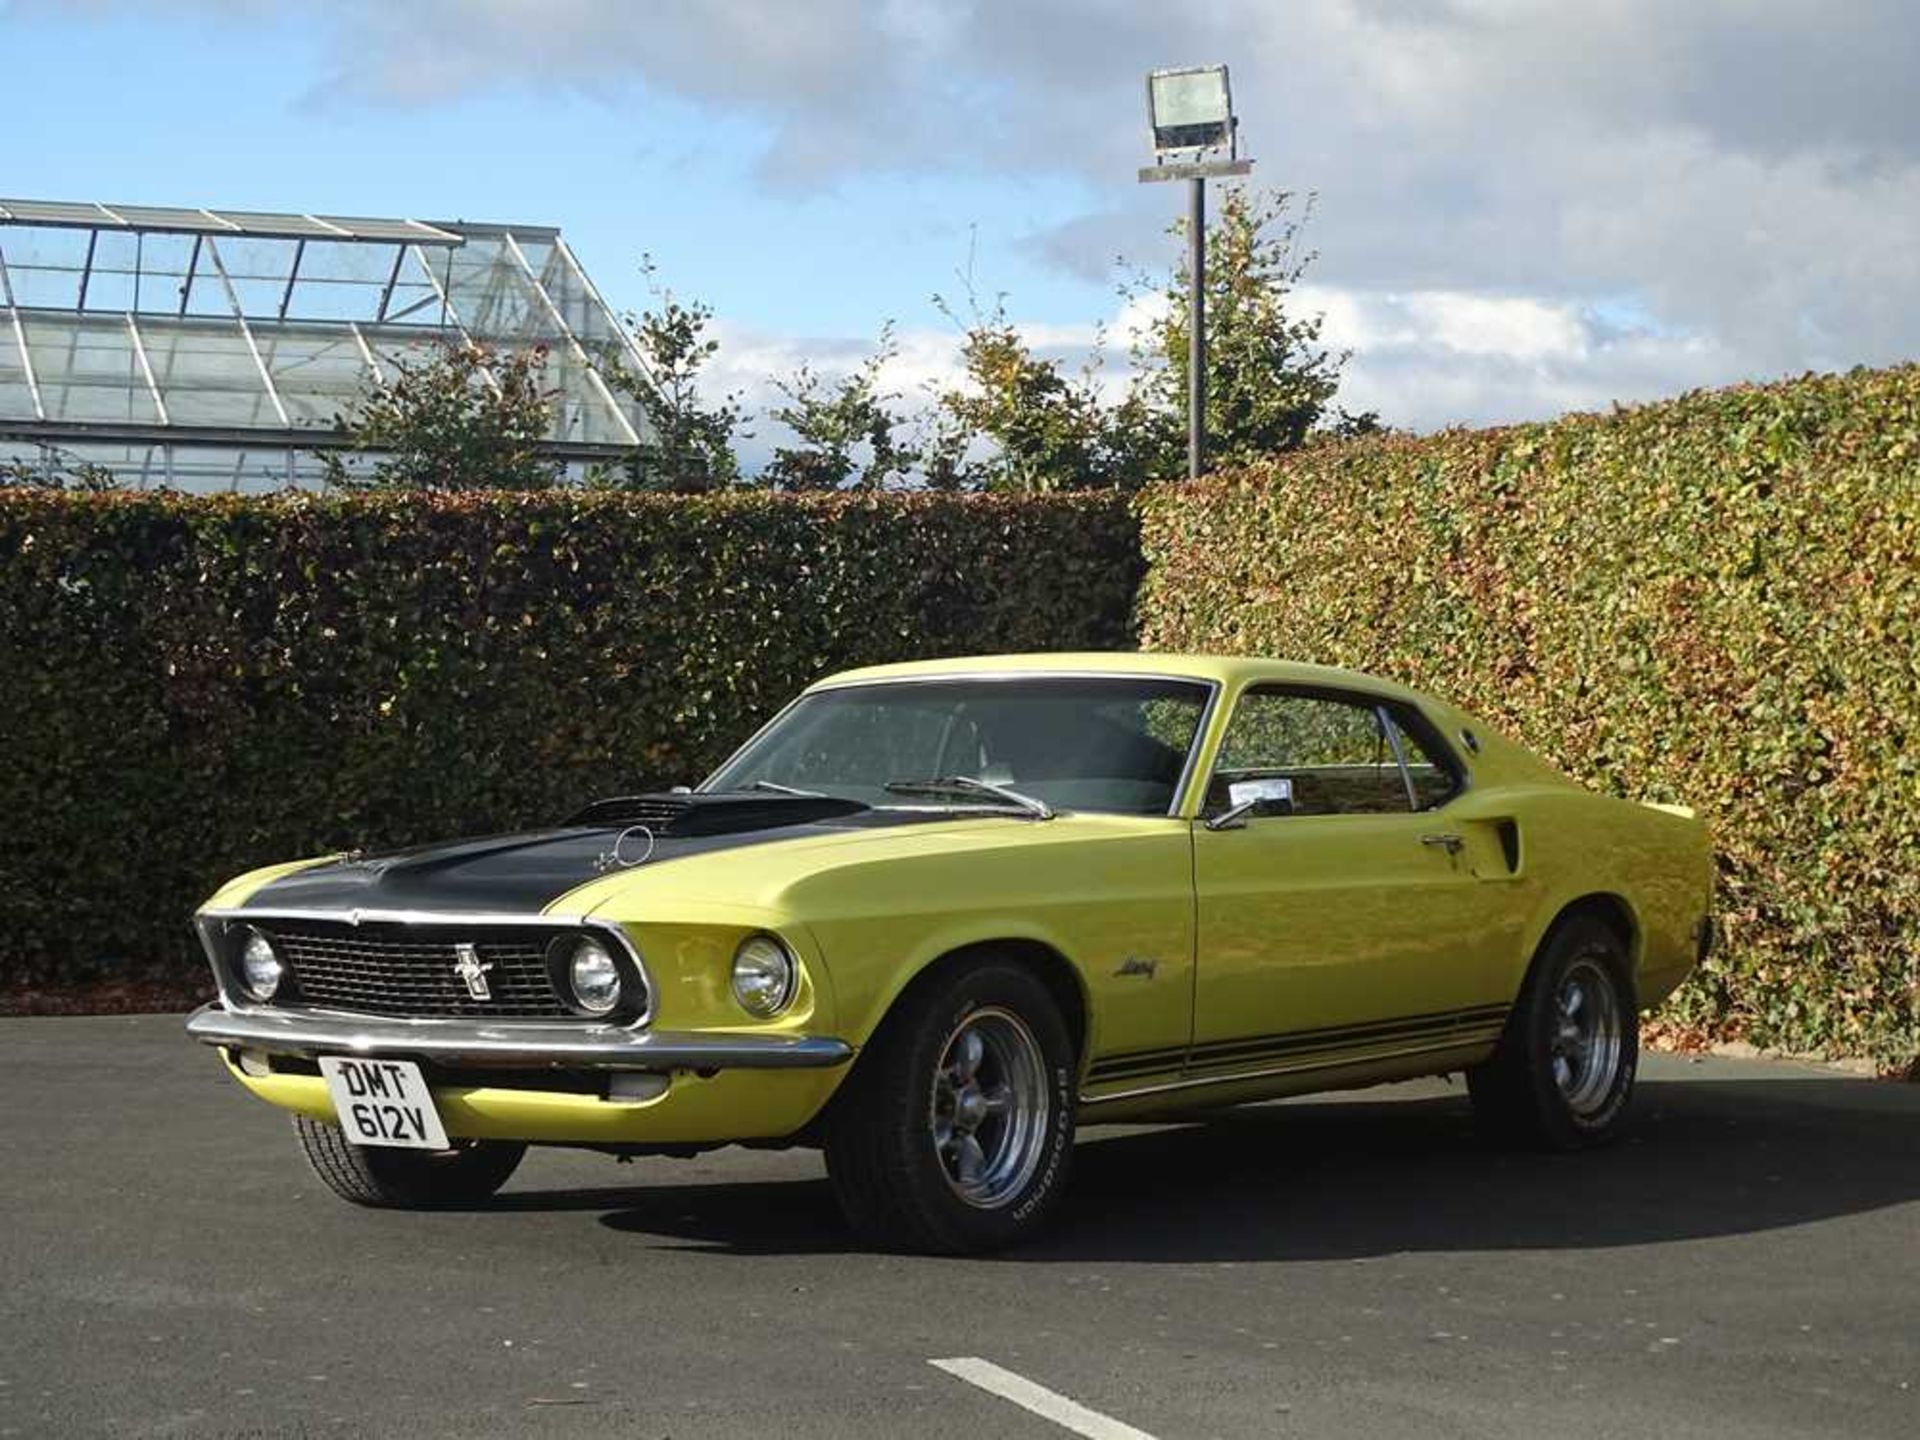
247 915
1214 689
1363 699
1391 729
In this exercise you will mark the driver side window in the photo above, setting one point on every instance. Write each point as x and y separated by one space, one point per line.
1334 755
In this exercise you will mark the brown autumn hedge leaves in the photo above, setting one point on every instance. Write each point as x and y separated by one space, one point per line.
1710 600
1713 600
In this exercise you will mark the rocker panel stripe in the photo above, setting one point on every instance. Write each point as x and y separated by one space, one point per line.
1310 1064
1250 1048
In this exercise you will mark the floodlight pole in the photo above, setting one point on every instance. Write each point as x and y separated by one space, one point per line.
1196 326
1196 173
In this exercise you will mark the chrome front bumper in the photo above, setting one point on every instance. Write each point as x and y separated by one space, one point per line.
311 1033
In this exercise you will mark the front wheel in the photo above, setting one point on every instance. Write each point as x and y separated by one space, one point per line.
1565 1067
956 1127
406 1179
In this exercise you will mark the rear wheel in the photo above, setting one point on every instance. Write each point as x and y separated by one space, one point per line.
1565 1067
955 1129
406 1179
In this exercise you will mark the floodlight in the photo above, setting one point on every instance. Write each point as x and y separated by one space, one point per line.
1190 109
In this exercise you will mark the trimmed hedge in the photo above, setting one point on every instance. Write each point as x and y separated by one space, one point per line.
191 686
1711 600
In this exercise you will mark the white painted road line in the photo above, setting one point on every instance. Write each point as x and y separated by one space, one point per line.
1069 1414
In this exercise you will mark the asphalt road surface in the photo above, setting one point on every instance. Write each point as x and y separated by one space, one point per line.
1748 1264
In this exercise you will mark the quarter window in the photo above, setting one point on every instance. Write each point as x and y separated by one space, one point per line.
1433 783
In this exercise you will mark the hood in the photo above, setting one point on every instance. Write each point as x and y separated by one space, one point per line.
525 873
907 860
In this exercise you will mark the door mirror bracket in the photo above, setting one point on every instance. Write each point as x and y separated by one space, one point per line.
1234 817
1270 795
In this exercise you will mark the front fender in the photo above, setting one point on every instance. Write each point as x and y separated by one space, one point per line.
863 1016
237 891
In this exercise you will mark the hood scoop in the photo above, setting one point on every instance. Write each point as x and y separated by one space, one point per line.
716 814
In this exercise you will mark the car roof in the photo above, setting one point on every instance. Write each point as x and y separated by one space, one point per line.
1225 670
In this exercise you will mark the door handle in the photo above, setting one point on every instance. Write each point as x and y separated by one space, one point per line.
1448 842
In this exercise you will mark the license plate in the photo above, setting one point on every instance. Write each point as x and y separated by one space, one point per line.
383 1102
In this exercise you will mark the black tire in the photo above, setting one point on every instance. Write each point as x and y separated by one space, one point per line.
1542 1089
406 1179
899 1183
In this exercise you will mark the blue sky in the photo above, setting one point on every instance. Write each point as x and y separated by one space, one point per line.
201 106
1524 206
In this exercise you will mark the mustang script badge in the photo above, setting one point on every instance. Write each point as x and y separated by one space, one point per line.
469 968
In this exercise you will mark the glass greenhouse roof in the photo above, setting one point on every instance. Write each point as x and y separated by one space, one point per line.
215 348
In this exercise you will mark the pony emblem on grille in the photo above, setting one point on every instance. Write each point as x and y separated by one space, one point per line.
470 969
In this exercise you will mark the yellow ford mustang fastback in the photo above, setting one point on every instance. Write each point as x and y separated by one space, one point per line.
934 914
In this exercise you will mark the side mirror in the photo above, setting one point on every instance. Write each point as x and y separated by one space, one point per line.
1254 799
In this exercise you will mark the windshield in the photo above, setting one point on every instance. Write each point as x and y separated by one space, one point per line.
1076 742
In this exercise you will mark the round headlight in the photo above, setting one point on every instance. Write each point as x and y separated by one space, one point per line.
763 976
593 976
260 968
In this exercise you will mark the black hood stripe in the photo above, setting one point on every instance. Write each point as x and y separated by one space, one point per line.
522 873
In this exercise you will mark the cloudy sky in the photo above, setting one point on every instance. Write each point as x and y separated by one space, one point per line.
1525 206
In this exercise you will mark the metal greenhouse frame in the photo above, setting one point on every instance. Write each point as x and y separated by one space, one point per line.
209 349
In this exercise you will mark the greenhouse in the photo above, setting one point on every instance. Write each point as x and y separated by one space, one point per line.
205 349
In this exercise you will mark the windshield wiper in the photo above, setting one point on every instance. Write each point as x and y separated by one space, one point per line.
778 789
971 785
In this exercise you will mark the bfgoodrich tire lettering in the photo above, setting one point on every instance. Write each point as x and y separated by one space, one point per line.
406 1179
955 1130
1564 1071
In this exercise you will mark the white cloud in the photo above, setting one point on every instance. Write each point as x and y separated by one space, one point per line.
1424 359
1427 359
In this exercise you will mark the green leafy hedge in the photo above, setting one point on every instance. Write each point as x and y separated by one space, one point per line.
1713 600
190 686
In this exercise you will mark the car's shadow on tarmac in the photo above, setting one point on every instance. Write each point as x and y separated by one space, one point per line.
1356 1178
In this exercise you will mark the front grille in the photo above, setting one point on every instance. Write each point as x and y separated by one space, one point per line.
387 968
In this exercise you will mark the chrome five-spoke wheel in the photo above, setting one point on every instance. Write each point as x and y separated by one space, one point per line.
988 1110
1563 1072
954 1132
1586 1048
955 1129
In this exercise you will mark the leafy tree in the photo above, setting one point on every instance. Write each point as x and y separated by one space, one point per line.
1270 381
845 428
1024 422
690 447
466 418
60 470
1042 427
